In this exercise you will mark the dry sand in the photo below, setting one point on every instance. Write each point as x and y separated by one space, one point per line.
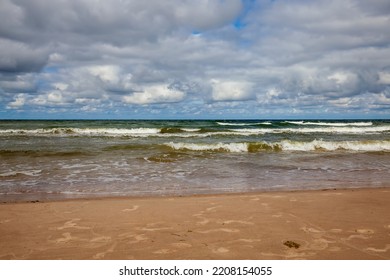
333 224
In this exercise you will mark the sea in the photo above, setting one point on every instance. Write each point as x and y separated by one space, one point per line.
67 159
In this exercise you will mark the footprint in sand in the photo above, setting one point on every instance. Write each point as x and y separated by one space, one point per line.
164 251
66 237
356 236
385 249
101 239
238 222
153 229
136 237
247 240
213 208
72 224
134 208
365 231
103 254
289 255
311 230
334 249
229 230
363 234
319 244
181 245
204 220
221 250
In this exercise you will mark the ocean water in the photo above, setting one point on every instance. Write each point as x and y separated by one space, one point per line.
71 159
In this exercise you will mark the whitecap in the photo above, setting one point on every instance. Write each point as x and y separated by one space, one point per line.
337 124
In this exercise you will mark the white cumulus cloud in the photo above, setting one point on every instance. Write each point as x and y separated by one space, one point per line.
231 90
155 94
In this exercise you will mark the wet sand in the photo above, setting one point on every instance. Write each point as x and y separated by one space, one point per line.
331 224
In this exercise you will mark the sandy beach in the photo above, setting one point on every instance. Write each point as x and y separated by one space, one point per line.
331 224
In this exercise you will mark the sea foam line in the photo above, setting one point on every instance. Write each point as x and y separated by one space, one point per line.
285 145
338 124
305 130
33 173
81 132
243 124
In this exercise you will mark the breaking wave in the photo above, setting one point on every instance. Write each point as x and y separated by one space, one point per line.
81 132
31 173
338 124
243 124
285 145
190 132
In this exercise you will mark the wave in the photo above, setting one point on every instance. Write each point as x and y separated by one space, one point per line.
172 130
337 124
306 130
285 145
222 147
194 132
81 132
320 145
30 173
243 124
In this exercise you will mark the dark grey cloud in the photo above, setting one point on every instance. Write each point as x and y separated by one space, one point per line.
12 83
114 20
20 57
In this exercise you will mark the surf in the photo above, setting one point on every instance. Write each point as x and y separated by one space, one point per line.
285 145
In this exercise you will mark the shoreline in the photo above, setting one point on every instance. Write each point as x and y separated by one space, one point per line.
350 223
63 198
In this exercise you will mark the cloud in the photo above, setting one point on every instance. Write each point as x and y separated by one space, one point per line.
384 78
18 83
214 58
20 57
231 90
18 102
92 20
155 94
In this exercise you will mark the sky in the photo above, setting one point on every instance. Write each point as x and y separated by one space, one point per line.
183 59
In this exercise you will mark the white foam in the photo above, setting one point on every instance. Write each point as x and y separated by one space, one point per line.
229 147
339 130
363 146
306 130
232 124
242 124
287 145
247 131
32 173
347 128
338 124
118 131
191 129
83 132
